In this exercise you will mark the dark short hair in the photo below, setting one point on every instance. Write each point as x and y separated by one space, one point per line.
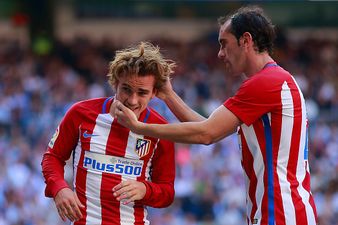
252 19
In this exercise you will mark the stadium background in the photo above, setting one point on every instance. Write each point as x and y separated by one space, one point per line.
53 53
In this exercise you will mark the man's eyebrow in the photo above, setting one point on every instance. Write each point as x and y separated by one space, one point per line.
144 90
139 89
124 84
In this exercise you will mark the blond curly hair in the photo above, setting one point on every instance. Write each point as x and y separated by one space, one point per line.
141 60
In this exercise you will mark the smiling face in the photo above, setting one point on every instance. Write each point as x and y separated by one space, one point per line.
231 52
135 92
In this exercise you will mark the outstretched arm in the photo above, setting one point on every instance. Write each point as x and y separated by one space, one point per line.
176 105
221 123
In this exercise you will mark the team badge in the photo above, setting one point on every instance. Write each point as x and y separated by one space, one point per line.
55 136
142 146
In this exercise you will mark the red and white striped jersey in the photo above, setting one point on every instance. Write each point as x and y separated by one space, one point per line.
104 154
273 143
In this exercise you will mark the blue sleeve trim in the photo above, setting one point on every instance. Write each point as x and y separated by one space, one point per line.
104 107
147 116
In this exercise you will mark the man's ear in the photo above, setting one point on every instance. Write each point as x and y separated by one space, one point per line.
154 93
246 40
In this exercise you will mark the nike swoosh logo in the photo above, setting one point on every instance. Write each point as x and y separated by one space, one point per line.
85 135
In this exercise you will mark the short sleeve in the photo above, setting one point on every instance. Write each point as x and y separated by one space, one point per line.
256 97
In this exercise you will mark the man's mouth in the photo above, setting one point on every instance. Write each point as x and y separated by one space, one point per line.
132 108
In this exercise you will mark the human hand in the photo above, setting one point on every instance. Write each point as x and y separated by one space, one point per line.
124 115
129 191
68 205
164 91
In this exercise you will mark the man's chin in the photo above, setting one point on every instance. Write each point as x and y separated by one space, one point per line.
228 69
230 72
233 73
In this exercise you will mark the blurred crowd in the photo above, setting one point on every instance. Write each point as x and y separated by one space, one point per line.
36 89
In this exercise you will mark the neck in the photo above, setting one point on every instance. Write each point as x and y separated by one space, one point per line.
257 63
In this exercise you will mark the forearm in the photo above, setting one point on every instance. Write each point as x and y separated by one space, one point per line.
187 132
158 195
53 172
181 110
220 124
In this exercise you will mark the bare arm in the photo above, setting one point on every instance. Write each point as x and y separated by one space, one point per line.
177 106
221 123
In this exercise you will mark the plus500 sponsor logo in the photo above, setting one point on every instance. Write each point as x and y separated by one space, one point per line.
121 169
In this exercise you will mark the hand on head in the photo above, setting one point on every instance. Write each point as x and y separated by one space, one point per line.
165 90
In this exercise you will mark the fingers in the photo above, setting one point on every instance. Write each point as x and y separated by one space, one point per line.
62 214
129 191
127 197
77 207
121 190
76 212
72 212
68 206
120 110
114 108
66 212
78 201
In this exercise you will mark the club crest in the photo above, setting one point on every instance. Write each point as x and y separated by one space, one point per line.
142 146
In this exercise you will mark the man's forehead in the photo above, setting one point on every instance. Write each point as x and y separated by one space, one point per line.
225 28
138 82
224 31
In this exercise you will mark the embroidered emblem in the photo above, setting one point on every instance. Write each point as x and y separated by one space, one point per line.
86 135
142 146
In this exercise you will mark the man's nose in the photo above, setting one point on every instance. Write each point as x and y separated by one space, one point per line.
132 99
220 54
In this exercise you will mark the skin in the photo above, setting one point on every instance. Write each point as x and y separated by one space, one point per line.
134 93
240 57
232 53
68 205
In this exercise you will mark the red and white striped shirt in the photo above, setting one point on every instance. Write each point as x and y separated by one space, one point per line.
104 154
273 143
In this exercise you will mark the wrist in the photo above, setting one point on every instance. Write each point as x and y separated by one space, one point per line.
139 127
169 96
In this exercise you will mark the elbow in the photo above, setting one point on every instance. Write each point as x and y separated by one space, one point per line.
207 139
170 199
205 134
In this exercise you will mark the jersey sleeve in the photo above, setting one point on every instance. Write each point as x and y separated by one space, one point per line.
160 190
254 98
58 152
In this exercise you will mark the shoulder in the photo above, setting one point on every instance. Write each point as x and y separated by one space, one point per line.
267 80
94 104
155 117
